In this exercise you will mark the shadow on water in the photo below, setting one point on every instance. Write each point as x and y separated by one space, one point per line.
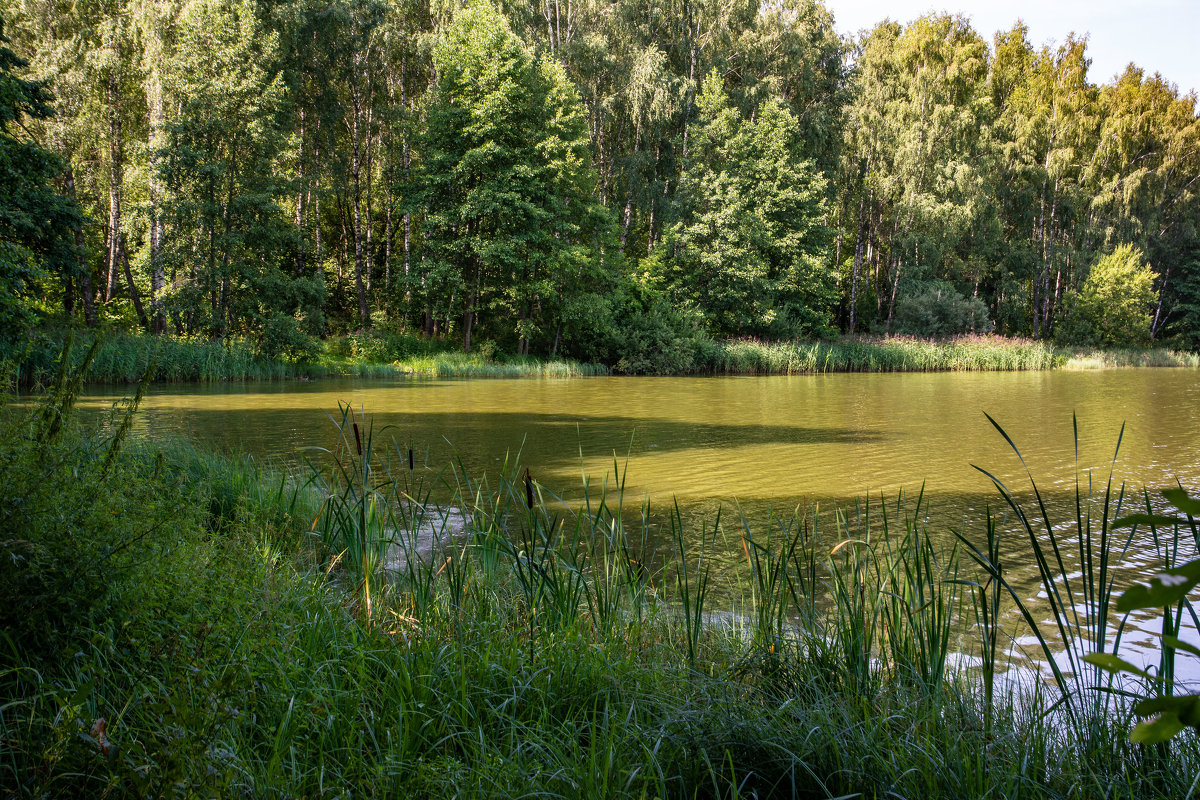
552 440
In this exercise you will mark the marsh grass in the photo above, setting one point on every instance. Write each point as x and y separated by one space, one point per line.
1082 359
126 358
884 354
256 645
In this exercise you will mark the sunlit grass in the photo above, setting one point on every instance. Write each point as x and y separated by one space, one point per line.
1083 359
884 354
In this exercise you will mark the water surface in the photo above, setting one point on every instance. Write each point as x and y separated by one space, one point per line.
755 439
760 442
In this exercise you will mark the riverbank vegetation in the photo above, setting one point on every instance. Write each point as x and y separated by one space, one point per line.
178 622
592 185
128 358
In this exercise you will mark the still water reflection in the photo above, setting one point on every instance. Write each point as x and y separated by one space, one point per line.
777 439
765 442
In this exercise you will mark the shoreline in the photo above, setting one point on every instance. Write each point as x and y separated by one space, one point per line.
127 359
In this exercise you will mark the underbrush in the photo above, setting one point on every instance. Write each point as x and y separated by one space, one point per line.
180 624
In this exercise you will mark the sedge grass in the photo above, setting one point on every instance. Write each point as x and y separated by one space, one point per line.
125 358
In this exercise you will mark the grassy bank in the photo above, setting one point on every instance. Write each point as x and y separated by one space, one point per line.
1109 359
176 623
125 358
884 354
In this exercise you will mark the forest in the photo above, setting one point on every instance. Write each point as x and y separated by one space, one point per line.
605 180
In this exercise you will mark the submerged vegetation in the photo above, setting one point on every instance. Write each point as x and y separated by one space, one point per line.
178 622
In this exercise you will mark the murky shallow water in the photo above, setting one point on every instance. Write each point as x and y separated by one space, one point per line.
764 442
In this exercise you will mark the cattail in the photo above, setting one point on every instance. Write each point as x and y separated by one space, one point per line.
410 459
357 439
528 488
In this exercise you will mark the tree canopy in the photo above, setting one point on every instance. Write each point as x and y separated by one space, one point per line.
600 178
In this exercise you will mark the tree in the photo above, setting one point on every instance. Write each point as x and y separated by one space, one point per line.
1147 178
35 219
1113 308
918 138
507 181
229 245
750 242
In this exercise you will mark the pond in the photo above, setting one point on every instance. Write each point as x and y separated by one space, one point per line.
765 443
781 439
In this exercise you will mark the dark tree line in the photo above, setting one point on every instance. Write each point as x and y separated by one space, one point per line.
597 177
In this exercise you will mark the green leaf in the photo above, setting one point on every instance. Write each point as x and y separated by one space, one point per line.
1146 519
1165 588
1179 498
1159 729
1186 708
1179 644
1114 664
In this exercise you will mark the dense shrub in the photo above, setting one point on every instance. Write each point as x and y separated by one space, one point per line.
1113 307
936 308
662 340
283 338
72 531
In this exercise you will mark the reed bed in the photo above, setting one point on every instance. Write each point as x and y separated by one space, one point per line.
1109 359
469 365
125 358
884 354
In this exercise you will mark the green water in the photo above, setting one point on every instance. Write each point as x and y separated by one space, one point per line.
766 443
758 440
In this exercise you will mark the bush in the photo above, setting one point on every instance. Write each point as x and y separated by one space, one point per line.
1113 307
937 309
282 338
660 340
74 527
383 345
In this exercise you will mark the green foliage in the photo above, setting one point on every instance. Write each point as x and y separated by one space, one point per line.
1167 592
660 340
883 354
1113 308
222 167
494 173
937 309
282 338
516 643
1187 307
72 538
507 183
35 220
750 238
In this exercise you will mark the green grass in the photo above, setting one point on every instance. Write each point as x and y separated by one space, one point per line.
244 631
125 358
884 354
1108 359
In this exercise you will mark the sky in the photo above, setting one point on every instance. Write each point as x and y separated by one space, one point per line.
1158 35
